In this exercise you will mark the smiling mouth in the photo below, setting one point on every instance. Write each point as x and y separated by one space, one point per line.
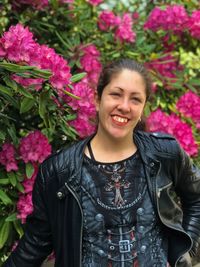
120 119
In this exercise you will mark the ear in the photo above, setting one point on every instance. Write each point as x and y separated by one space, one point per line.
96 101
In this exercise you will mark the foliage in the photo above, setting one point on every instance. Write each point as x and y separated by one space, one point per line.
48 73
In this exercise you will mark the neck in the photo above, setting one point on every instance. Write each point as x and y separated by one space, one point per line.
109 149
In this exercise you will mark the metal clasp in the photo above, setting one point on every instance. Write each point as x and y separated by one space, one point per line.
124 246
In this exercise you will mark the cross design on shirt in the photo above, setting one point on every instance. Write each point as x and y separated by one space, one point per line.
116 184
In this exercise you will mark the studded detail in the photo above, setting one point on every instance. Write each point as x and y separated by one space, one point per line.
143 249
60 195
99 217
141 229
140 211
152 164
101 253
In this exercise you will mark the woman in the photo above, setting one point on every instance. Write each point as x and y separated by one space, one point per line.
108 200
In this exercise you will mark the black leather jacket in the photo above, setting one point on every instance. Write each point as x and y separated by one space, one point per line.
56 223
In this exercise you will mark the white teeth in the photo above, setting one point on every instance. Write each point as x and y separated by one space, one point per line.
120 119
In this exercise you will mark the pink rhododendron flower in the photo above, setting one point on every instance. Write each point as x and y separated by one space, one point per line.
7 157
173 18
90 62
26 82
189 105
83 126
158 121
86 103
124 31
107 20
24 206
46 58
18 43
194 24
95 2
166 67
34 147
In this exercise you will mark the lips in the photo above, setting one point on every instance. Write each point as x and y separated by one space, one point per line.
119 120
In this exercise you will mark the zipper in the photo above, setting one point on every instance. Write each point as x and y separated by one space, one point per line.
155 192
75 196
164 187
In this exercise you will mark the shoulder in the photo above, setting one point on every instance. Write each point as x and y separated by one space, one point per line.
64 159
159 142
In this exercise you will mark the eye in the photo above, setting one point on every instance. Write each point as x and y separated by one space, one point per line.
136 99
115 94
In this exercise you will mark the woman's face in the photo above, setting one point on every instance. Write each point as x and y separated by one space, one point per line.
121 105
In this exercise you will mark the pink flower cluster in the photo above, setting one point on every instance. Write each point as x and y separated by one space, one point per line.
24 204
194 24
189 105
90 62
108 20
86 103
83 125
173 18
166 67
7 157
158 121
123 26
124 31
34 147
85 109
95 2
18 45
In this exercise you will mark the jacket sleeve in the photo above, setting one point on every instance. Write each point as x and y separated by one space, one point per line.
35 245
189 192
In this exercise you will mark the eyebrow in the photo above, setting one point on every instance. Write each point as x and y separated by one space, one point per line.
133 93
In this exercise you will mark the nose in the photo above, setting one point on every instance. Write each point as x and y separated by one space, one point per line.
124 105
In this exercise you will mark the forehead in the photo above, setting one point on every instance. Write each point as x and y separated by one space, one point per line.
128 80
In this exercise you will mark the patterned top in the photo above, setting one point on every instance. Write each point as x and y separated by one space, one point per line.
112 198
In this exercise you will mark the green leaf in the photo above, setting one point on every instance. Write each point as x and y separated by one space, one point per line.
26 104
18 228
12 101
195 82
20 187
65 43
24 92
11 83
12 133
11 217
29 170
4 233
77 77
12 178
5 90
192 88
5 198
4 181
2 135
43 103
70 94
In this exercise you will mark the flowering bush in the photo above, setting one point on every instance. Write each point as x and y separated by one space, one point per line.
51 55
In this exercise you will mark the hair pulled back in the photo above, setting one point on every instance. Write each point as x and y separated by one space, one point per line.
116 67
